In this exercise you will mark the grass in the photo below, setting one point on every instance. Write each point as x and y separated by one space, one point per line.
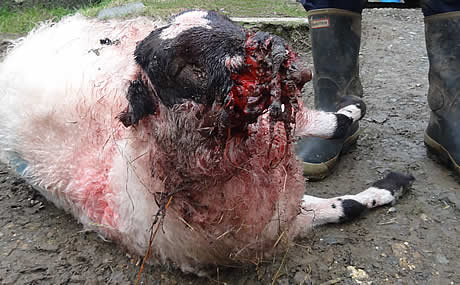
237 8
22 21
19 22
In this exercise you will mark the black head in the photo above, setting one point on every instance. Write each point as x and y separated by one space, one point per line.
186 58
204 57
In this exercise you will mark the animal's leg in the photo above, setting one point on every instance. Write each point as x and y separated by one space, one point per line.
318 211
328 125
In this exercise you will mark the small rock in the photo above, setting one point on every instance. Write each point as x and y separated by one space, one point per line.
332 241
424 217
121 10
442 259
391 210
358 275
379 118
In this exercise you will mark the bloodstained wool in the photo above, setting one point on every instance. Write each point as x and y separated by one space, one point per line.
201 113
265 83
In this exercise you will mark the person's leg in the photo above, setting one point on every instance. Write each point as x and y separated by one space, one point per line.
335 32
442 34
352 5
436 7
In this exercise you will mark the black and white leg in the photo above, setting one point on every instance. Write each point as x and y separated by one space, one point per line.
318 211
329 125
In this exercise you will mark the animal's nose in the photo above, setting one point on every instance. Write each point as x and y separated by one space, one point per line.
302 76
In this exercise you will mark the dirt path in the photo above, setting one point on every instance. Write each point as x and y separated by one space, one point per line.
415 242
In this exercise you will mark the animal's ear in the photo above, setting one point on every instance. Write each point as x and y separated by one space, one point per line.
141 103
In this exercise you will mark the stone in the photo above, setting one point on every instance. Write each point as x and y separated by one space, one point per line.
120 11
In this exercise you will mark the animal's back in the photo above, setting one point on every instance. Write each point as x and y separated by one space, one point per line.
61 89
59 76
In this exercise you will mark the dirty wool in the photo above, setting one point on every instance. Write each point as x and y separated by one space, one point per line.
186 127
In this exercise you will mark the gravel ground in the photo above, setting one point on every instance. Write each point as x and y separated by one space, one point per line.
414 242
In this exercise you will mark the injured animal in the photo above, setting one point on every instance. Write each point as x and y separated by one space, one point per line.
187 126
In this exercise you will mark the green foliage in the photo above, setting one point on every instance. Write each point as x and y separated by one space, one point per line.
22 21
234 8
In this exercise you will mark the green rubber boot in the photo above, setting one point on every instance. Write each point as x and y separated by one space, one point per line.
335 36
442 136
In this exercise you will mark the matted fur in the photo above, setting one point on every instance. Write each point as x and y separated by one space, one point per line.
60 93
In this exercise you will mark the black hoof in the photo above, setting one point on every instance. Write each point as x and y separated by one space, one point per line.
395 182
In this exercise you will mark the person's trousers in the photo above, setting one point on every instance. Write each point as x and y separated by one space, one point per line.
429 7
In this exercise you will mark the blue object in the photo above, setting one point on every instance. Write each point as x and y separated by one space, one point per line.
19 164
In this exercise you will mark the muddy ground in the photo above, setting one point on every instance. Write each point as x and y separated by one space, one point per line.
415 242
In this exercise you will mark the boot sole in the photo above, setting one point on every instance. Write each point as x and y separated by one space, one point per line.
319 171
440 152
